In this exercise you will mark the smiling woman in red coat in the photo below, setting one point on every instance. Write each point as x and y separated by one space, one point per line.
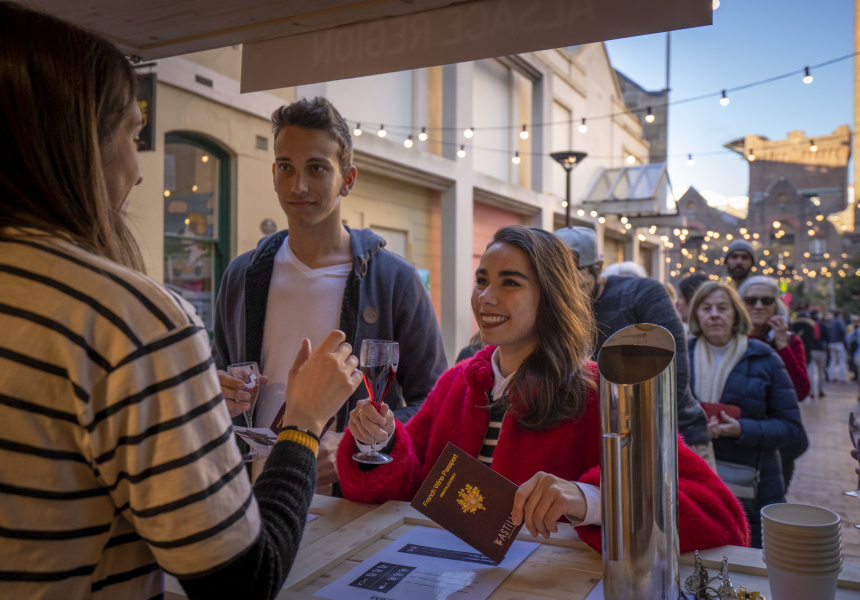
527 406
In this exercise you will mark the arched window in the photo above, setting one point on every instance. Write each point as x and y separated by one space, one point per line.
196 228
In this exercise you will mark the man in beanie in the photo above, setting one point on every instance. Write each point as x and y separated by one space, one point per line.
621 301
740 258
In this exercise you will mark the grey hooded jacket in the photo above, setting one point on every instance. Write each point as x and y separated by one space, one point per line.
384 299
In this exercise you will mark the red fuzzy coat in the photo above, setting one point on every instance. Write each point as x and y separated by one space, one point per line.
709 515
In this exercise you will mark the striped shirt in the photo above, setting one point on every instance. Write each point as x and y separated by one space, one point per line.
497 411
116 450
491 438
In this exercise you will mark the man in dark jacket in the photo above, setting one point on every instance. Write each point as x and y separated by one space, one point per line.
622 301
740 259
819 354
321 276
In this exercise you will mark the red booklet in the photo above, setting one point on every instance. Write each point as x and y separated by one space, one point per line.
470 500
713 409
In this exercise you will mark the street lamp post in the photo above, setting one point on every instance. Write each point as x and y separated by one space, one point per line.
568 160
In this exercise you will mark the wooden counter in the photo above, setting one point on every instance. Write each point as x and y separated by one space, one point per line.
562 567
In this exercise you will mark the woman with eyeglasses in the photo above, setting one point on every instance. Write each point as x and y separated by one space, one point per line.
769 317
729 368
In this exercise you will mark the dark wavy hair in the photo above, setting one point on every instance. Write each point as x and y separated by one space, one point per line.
63 93
319 114
551 384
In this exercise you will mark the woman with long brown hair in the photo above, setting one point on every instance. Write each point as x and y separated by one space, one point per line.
117 455
526 405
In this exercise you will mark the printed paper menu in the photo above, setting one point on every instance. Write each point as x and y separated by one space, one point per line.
426 564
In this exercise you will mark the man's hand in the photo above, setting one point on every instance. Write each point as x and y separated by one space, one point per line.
544 499
327 458
319 382
236 397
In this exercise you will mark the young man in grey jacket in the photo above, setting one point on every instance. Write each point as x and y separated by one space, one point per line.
319 275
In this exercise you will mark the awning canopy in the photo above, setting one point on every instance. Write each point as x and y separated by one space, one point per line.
639 192
293 42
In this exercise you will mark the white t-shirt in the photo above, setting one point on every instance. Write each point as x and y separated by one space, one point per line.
303 303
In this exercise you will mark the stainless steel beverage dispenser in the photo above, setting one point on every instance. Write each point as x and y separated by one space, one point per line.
639 465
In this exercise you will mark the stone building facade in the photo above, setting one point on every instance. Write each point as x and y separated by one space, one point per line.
641 103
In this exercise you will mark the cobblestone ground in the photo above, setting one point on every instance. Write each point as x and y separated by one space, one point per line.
826 469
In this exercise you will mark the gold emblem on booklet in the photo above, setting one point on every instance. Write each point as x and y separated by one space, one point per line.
483 524
471 499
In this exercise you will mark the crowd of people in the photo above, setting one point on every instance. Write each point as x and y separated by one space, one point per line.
120 461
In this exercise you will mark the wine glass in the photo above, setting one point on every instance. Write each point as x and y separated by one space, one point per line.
854 430
249 374
378 363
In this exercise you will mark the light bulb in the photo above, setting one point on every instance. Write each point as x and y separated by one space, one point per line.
690 161
583 127
807 78
516 158
650 116
357 131
524 134
751 155
813 147
725 99
468 133
715 4
423 135
462 151
408 142
382 133
631 159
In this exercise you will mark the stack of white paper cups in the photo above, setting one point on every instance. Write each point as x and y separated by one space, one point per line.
802 548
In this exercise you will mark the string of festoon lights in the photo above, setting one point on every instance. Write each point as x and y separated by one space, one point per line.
772 260
471 133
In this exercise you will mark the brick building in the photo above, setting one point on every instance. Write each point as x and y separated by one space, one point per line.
799 200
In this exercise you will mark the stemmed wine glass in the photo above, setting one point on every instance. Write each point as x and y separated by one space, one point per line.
378 361
249 374
854 430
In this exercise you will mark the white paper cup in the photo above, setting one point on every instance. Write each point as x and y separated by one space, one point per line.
806 546
788 585
803 519
806 565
